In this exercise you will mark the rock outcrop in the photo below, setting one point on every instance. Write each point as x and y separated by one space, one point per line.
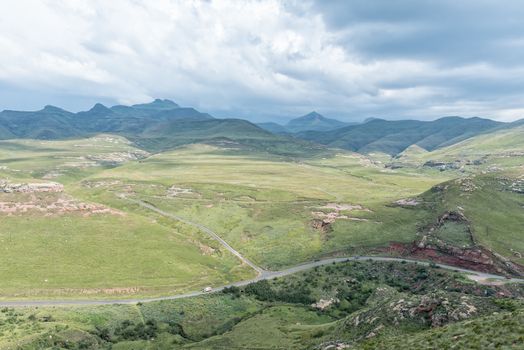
8 187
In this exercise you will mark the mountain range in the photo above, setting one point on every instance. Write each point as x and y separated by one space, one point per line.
163 124
392 137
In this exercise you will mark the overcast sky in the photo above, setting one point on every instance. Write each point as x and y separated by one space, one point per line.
268 60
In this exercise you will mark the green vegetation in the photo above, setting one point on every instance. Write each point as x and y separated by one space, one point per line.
499 150
260 204
361 304
58 245
107 255
279 202
393 137
489 202
268 208
497 331
455 233
157 126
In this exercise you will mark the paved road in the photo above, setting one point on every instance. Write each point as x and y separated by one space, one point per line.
263 276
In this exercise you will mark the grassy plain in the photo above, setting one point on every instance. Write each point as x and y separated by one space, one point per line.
264 206
268 207
107 256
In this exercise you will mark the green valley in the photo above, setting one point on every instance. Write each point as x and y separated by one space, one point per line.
101 230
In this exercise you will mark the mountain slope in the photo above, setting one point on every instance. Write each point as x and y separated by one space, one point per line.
500 141
155 126
502 148
273 127
48 123
393 137
313 121
309 122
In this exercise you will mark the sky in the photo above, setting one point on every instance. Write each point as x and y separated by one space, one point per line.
268 60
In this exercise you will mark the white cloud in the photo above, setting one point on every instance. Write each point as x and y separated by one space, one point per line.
250 58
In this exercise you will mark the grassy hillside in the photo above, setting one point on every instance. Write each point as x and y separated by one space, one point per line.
105 255
59 244
491 204
88 241
498 144
499 150
392 137
365 305
276 212
23 160
486 197
497 331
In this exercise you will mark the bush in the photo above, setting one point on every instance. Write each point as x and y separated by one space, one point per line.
506 304
235 291
176 329
130 331
262 291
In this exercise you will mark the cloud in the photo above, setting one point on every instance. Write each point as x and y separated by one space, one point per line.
267 59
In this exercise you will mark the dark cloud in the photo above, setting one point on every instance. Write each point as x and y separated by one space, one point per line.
448 32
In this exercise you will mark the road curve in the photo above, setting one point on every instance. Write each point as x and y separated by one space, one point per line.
265 275
262 274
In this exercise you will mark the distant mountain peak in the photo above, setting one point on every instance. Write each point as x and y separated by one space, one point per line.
158 104
53 109
311 116
373 119
313 121
99 108
314 114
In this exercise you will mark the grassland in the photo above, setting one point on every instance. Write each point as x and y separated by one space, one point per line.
502 149
67 160
264 206
106 255
492 207
65 253
498 331
396 302
270 208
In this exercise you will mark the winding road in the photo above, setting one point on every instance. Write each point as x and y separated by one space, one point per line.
262 274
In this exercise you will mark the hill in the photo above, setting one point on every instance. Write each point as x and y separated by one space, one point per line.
500 149
155 126
392 137
313 121
309 122
275 128
499 142
48 123
352 305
